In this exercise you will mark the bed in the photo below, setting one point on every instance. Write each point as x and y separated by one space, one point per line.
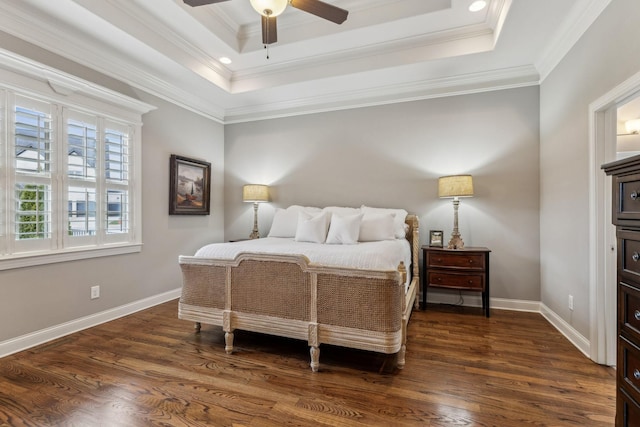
299 288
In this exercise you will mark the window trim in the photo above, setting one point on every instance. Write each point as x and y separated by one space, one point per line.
25 77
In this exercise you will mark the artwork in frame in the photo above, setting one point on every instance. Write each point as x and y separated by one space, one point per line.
435 238
189 186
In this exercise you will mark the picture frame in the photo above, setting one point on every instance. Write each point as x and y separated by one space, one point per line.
435 238
189 186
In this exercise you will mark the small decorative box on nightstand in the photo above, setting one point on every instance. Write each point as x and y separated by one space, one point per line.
464 269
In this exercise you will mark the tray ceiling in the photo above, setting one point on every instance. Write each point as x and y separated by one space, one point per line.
386 51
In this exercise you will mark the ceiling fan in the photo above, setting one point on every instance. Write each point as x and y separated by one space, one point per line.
270 9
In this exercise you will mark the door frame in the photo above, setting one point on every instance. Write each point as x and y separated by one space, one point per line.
602 238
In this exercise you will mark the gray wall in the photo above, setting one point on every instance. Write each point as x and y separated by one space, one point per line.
391 156
40 297
607 54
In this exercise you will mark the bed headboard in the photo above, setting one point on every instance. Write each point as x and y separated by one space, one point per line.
413 236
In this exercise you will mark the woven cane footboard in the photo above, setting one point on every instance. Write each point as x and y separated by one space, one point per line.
283 295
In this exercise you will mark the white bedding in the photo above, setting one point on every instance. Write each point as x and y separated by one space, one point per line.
381 255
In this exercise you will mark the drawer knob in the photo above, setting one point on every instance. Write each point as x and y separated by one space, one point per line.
634 195
637 314
635 256
636 374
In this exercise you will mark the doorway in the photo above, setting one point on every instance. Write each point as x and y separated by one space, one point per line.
606 121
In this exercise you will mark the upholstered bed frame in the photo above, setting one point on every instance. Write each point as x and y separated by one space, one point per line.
284 295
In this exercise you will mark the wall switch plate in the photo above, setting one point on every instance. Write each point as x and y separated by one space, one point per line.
95 292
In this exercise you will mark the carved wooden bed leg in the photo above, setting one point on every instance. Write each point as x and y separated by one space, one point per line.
228 341
401 356
403 348
315 358
197 327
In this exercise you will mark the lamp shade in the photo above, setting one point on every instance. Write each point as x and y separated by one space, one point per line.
455 186
255 193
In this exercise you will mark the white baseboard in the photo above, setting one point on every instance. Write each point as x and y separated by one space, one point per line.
567 330
33 339
475 300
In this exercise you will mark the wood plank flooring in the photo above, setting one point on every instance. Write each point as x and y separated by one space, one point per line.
462 369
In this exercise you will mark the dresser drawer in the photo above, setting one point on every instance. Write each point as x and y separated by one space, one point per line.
468 261
629 254
627 410
629 310
473 282
627 198
628 369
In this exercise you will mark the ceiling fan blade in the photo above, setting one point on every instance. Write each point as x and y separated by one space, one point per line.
194 3
269 30
321 9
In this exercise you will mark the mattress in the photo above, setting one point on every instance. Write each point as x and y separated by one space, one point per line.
384 255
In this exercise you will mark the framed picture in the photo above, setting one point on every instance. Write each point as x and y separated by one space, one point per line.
189 186
435 238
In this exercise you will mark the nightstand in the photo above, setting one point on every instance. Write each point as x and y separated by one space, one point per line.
464 269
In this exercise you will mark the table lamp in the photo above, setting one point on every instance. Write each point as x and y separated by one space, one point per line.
255 193
455 186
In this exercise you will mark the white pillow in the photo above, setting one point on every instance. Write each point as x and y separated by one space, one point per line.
284 223
399 217
377 226
312 228
341 211
344 230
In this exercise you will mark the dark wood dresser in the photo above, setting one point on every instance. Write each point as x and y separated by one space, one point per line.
626 217
465 269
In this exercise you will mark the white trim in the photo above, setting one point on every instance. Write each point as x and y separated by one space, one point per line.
474 300
73 254
64 84
578 23
600 321
566 329
42 336
506 78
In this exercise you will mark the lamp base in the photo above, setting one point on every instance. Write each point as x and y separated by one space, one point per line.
456 241
254 235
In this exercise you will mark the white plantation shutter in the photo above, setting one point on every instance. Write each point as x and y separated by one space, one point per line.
68 164
33 163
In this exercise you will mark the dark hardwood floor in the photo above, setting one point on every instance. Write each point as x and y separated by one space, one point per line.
513 369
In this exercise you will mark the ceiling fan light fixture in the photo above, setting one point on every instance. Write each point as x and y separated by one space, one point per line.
269 8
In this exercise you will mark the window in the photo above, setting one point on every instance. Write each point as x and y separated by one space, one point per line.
67 170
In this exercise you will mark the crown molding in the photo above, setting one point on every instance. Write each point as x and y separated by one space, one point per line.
21 25
577 23
507 78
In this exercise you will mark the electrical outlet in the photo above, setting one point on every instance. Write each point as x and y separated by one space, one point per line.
570 302
95 292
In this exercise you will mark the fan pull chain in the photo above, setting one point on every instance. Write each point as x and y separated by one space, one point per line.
266 46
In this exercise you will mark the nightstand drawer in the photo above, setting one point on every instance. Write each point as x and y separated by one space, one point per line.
458 281
467 261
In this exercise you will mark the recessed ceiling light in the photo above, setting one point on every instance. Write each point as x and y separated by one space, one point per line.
477 5
225 60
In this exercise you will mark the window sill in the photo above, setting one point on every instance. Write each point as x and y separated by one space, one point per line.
74 254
